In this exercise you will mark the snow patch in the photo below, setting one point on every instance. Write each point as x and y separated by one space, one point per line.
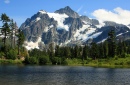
128 26
51 26
101 24
46 29
43 12
67 41
96 35
79 36
37 19
32 45
60 19
103 40
121 34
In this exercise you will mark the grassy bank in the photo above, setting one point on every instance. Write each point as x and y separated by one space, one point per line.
110 62
8 61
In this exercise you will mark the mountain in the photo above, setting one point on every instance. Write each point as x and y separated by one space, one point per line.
67 27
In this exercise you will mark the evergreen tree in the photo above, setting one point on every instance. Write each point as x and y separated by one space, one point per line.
105 49
101 50
76 51
85 52
51 50
13 32
20 40
94 51
111 43
5 30
57 51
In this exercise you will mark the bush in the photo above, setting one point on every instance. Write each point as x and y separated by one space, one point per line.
1 54
43 60
64 61
32 60
12 54
116 58
128 62
56 60
123 55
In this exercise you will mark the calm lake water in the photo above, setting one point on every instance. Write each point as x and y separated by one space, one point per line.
63 75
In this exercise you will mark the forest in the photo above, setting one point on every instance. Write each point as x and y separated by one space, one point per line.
107 53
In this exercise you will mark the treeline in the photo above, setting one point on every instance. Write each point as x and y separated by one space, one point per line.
111 48
11 39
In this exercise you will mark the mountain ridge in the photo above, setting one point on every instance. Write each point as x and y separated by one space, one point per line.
66 27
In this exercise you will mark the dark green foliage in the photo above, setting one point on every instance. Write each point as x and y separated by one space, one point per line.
5 30
12 54
1 54
43 60
20 40
85 52
111 43
94 50
101 50
56 60
32 60
76 51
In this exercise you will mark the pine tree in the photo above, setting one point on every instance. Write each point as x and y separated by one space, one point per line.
20 40
51 50
5 30
13 32
76 51
101 50
85 52
111 43
57 51
94 51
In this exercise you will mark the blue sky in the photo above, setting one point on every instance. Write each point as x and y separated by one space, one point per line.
19 10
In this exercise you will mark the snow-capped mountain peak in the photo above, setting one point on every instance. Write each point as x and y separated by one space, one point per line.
66 27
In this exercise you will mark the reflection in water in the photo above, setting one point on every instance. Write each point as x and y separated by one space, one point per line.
62 75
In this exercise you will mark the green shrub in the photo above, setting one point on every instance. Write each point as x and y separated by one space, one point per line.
32 60
116 58
12 54
1 54
128 62
119 63
123 55
43 60
56 60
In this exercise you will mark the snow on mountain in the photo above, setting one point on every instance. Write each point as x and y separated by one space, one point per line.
51 26
128 26
80 35
66 27
101 24
32 45
42 11
60 19
121 34
37 19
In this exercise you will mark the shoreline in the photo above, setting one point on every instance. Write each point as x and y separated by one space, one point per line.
20 62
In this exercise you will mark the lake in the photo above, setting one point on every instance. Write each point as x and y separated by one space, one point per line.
63 75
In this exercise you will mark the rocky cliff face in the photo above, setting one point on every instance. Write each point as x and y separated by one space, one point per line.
66 27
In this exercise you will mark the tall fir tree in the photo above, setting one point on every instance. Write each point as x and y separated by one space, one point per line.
111 43
5 30
20 40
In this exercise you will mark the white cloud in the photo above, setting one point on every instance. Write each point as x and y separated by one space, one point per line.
7 1
79 8
117 15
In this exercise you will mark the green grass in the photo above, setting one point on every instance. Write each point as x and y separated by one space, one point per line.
110 62
8 61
